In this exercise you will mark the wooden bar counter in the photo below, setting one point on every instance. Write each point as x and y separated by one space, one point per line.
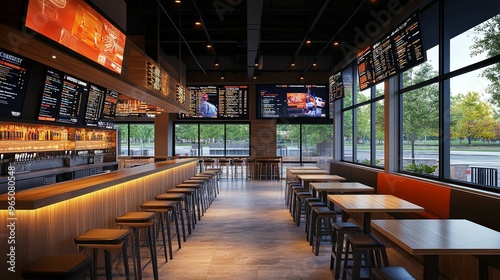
48 218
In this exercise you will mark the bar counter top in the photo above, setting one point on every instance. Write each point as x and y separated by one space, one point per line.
47 195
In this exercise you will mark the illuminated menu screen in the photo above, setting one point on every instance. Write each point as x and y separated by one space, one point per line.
109 110
128 107
336 87
227 102
50 96
95 103
292 101
233 102
394 54
72 93
14 71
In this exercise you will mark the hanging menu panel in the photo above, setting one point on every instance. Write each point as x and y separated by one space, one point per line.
95 103
14 72
50 96
233 102
383 60
407 42
73 91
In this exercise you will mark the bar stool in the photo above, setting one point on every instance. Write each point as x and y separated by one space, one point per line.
189 193
262 167
367 245
224 162
202 182
198 201
300 206
137 221
295 189
391 273
207 190
179 199
238 164
106 239
339 232
250 168
274 167
311 202
164 207
59 267
288 191
215 173
208 162
322 220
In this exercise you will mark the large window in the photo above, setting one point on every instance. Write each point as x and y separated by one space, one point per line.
444 111
136 139
304 143
209 139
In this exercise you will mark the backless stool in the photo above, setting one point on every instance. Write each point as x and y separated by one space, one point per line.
163 210
180 200
67 267
108 240
189 193
137 221
363 244
339 232
322 220
197 197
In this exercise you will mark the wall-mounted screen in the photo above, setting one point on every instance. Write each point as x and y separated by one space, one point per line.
129 107
51 96
73 92
79 27
292 101
14 73
223 102
395 53
109 110
95 105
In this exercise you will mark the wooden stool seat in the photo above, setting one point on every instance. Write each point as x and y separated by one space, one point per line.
178 198
391 273
320 215
339 232
58 267
359 245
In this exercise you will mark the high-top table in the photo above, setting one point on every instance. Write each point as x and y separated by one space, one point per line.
368 203
338 187
290 176
294 172
431 238
308 178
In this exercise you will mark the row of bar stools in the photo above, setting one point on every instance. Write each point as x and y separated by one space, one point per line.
205 180
164 209
108 240
216 173
322 220
189 203
180 199
359 245
288 191
197 197
137 221
294 190
339 232
64 267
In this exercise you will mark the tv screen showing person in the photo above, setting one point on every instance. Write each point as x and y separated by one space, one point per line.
206 109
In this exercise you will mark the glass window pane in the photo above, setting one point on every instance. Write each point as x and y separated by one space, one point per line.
363 95
363 134
379 133
420 73
317 143
347 137
142 139
420 129
186 139
123 139
212 139
474 127
288 141
379 89
237 140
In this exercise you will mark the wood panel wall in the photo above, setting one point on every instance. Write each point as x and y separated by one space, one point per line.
51 230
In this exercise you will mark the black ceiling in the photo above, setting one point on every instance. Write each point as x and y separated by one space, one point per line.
275 30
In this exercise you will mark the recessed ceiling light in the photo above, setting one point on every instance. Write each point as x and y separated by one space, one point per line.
54 56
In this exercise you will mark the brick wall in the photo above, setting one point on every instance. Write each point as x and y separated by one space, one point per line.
263 138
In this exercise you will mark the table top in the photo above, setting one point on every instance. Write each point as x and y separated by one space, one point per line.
308 171
373 203
341 187
302 168
320 177
440 237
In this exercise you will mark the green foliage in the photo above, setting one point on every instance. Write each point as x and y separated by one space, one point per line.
421 168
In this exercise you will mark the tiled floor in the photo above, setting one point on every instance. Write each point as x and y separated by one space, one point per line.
248 233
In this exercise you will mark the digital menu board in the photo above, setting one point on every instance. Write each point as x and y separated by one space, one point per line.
292 101
335 87
397 52
50 96
95 104
129 107
14 73
72 93
109 111
223 102
79 27
233 101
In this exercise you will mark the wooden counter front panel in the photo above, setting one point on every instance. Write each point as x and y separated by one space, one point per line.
51 229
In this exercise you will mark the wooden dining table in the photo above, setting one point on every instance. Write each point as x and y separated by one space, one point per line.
325 188
295 172
430 238
289 175
308 178
370 203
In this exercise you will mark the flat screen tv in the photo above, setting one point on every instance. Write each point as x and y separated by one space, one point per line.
394 54
292 101
217 102
14 74
77 26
